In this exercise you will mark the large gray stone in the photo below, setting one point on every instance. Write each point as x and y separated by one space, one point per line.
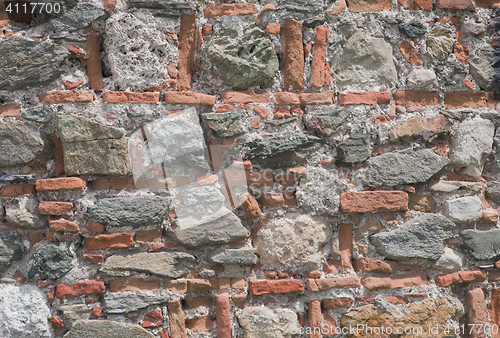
106 329
78 17
131 210
124 302
80 129
482 245
402 167
364 59
356 149
284 151
440 42
164 264
224 124
421 237
263 322
245 59
29 64
244 256
471 145
464 209
326 121
50 262
308 6
493 190
18 216
11 249
481 67
19 143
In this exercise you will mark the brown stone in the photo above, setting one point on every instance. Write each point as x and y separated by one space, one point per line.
422 202
187 40
294 55
419 126
10 110
147 236
199 323
370 225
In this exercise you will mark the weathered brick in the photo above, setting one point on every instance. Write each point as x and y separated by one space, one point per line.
250 206
72 85
66 97
223 310
375 265
396 299
332 283
176 319
495 310
416 98
189 98
410 54
260 178
199 323
63 225
95 227
461 52
273 28
307 99
240 300
467 99
58 154
55 208
129 97
262 287
94 67
91 287
63 183
357 6
194 302
109 241
261 111
17 190
229 10
187 40
477 313
365 98
133 284
117 183
176 285
286 99
146 236
373 201
99 258
315 318
425 5
335 303
150 323
244 97
319 57
294 55
195 285
461 277
422 202
57 322
466 5
346 245
10 110
490 216
272 199
238 283
397 281
488 3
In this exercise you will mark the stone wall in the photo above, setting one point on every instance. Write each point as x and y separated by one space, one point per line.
251 169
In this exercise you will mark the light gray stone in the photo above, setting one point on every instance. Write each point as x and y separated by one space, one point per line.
18 216
224 124
72 313
164 264
482 245
471 27
50 262
106 329
464 209
449 186
199 202
493 190
420 237
38 114
402 167
481 67
263 322
451 72
471 145
11 249
244 256
449 261
80 16
325 121
440 42
308 6
124 302
421 79
19 143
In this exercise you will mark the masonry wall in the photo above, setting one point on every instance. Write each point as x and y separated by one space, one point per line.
250 169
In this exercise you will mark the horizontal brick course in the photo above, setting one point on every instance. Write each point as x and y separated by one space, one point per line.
263 287
189 98
365 98
109 241
230 9
66 97
129 97
373 201
63 183
417 98
332 283
395 282
55 208
467 99
461 277
91 287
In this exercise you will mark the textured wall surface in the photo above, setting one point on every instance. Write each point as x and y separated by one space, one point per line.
273 168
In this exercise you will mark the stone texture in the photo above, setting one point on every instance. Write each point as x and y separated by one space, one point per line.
306 6
407 241
471 145
364 59
326 121
464 209
413 29
422 202
80 16
402 167
481 68
440 42
421 79
449 261
38 114
51 262
245 59
72 313
482 244
132 210
233 256
426 128
11 249
28 64
356 149
18 216
258 322
106 329
493 191
124 302
297 243
19 143
224 124
165 264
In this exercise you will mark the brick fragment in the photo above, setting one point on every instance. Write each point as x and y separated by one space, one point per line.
240 300
10 110
358 6
263 287
19 277
133 284
230 10
250 206
332 283
206 29
461 52
461 277
286 99
91 287
57 322
272 199
99 258
365 98
416 98
315 318
63 225
464 5
94 67
109 5
281 112
147 236
294 55
381 119
35 237
150 323
397 281
373 201
195 285
176 319
109 241
489 4
410 54
273 28
467 99
338 8
425 5
335 303
223 310
261 111
199 323
375 265
187 40
129 97
490 216
477 312
319 57
468 83
194 302
189 98
63 183
396 299
176 285
495 310
346 245
244 97
17 190
55 208
66 97
422 202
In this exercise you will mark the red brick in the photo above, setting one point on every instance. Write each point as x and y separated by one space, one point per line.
335 303
416 98
17 190
396 299
199 323
10 110
58 154
250 206
57 322
331 266
95 227
319 57
488 3
223 310
316 98
189 98
281 112
109 5
176 319
477 313
240 300
99 258
461 52
66 97
133 284
365 98
156 314
338 8
114 183
373 201
94 67
375 265
194 302
96 311
286 99
76 50
109 241
129 97
315 318
195 285
346 245
224 108
495 310
461 277
35 237
357 6
468 83
466 5
263 287
275 199
260 178
230 9
206 29
332 283
273 28
63 225
380 119
187 40
19 277
150 323
261 111
72 85
91 287
490 216
55 208
256 122
175 285
63 183
146 236
294 55
467 99
397 281
410 53
244 97
425 5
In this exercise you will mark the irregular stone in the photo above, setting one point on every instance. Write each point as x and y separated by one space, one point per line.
224 124
319 190
440 42
11 249
220 227
18 216
130 210
165 264
451 72
233 256
449 261
72 313
245 59
298 244
25 312
481 68
258 322
28 64
356 149
464 209
482 245
407 241
307 6
124 302
80 16
425 315
199 202
19 143
421 79
493 190
449 186
51 262
79 129
158 4
364 59
325 121
493 163
422 202
471 27
471 145
40 115
402 167
427 128
284 151
106 329
413 29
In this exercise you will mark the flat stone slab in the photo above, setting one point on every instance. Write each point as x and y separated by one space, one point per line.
106 329
482 245
124 302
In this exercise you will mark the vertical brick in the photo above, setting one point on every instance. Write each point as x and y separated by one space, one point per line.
345 245
176 320
222 308
495 310
58 154
477 313
94 68
294 59
187 45
315 318
319 57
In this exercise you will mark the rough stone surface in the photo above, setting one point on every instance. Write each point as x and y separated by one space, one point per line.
421 237
481 244
11 249
413 29
427 128
80 16
74 312
106 329
165 264
449 261
27 64
356 149
493 190
326 121
471 145
40 115
423 79
133 210
293 243
51 262
402 167
19 217
303 5
440 42
124 302
481 67
245 59
233 256
19 143
224 124
259 322
463 209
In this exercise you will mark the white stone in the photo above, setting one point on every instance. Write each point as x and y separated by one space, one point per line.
463 209
19 217
262 322
449 261
421 78
470 27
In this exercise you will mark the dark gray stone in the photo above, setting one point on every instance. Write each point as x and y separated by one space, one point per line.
493 190
28 64
11 249
481 67
245 60
134 210
81 16
233 256
308 6
106 329
17 178
482 245
40 115
224 124
421 237
125 302
402 167
413 29
356 149
50 262
326 121
162 4
284 151
19 143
